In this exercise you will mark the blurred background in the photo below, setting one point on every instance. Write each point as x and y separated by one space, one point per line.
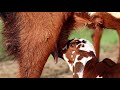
109 49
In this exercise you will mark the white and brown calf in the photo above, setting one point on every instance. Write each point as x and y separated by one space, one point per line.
77 53
81 58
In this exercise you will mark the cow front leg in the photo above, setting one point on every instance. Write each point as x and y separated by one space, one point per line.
96 40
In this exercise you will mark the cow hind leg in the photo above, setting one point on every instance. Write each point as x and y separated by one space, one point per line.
31 63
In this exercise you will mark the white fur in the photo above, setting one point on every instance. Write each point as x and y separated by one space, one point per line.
91 13
66 59
87 46
64 56
84 60
115 14
73 52
76 59
99 77
80 74
64 47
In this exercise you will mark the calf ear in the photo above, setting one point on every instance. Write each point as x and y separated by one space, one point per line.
73 44
61 52
69 42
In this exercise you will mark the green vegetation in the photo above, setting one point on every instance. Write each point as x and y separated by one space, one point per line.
82 33
2 51
109 38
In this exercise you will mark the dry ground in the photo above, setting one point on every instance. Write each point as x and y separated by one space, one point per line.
9 69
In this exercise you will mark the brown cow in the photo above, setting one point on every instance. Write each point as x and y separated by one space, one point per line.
33 36
101 20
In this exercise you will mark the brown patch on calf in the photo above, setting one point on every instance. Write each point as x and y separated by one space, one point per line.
78 67
71 46
85 54
80 57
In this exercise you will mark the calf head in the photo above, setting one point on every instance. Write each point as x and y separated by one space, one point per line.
77 53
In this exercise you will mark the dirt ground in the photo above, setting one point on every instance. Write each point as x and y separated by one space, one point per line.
9 69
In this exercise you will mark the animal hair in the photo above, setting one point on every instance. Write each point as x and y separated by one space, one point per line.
32 36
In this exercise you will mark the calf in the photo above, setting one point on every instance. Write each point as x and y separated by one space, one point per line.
81 58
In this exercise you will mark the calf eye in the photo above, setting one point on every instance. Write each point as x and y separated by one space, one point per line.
83 41
72 44
78 42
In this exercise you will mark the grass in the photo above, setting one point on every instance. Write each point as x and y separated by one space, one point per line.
2 50
109 36
108 40
1 37
82 33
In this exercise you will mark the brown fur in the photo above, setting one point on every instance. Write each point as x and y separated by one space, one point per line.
77 20
105 69
104 20
11 38
32 37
